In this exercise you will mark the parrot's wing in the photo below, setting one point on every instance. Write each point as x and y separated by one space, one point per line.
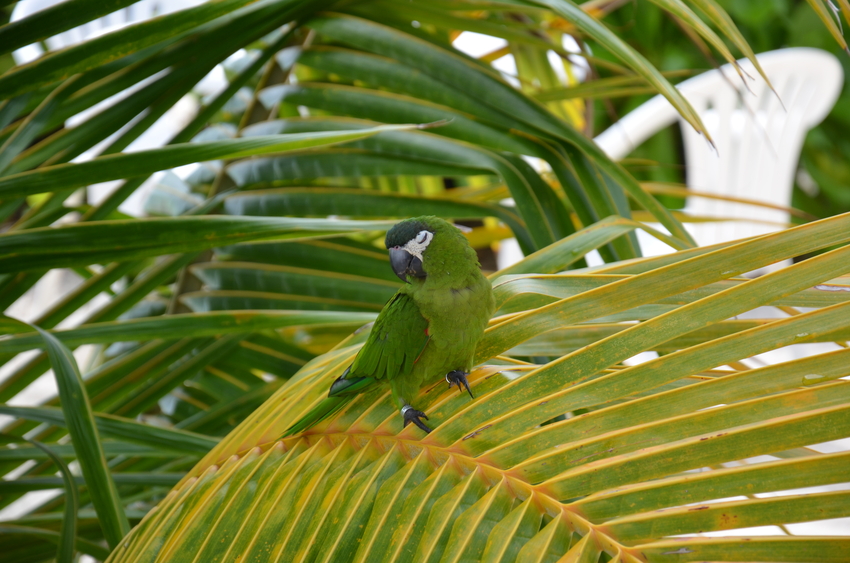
397 340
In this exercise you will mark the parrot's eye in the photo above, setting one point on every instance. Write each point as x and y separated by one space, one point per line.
417 245
424 237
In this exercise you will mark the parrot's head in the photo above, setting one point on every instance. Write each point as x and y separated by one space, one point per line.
424 246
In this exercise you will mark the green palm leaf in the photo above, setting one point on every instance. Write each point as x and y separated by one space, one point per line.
194 338
493 481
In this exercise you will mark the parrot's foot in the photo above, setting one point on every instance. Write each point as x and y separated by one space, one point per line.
458 378
412 415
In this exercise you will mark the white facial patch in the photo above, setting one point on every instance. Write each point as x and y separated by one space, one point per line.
417 245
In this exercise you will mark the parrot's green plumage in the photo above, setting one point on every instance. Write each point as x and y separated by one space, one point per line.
428 330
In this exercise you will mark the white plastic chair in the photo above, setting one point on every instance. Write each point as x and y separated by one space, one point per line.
758 140
758 147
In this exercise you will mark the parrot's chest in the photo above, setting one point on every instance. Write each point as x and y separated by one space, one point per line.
456 322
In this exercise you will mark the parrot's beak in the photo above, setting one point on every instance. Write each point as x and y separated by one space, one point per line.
405 264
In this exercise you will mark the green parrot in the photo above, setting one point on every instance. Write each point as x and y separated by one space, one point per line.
428 329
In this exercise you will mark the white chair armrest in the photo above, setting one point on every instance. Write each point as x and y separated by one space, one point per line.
633 129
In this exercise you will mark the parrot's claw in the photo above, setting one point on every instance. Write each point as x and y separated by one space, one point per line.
458 378
412 415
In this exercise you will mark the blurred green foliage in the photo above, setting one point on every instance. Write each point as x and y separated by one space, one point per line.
6 60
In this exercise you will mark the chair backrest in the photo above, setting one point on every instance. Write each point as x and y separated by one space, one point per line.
758 138
137 12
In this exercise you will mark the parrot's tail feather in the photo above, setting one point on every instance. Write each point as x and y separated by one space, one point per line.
322 411
343 386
